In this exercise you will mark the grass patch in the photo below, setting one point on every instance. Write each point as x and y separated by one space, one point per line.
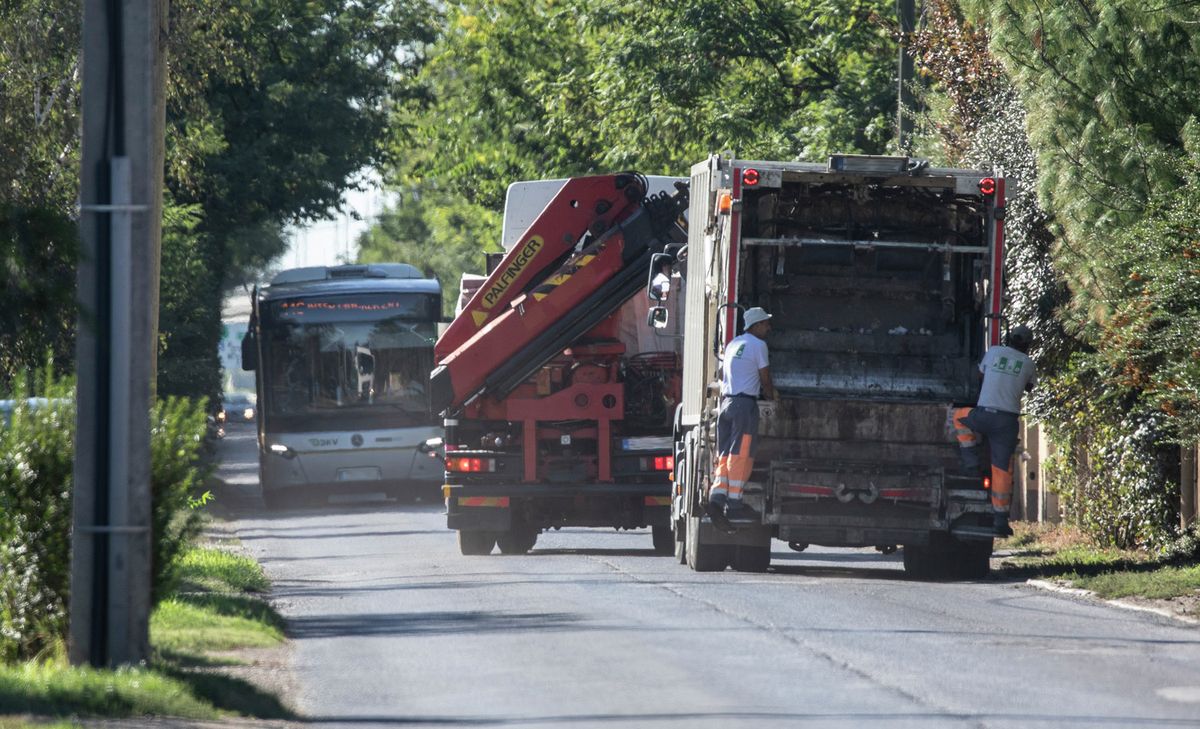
217 570
217 607
1161 583
1061 552
56 689
9 722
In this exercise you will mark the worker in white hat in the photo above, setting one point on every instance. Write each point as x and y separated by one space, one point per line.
744 376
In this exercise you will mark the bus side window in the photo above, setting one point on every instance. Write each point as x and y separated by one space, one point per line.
249 352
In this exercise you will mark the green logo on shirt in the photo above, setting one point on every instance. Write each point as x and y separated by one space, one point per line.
1008 368
737 354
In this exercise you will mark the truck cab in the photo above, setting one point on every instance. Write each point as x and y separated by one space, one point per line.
557 400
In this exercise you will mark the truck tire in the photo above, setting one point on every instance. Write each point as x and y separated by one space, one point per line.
924 561
664 539
475 543
704 557
972 559
518 540
751 558
274 500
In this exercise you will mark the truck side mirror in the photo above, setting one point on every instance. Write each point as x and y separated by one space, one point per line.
249 352
657 317
658 282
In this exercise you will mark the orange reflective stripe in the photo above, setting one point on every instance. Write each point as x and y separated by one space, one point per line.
1002 483
657 501
966 436
483 501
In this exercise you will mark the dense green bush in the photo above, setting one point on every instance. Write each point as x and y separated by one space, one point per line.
177 427
1114 467
36 453
35 519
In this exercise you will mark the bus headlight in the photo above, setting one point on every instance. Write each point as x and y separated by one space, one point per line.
281 450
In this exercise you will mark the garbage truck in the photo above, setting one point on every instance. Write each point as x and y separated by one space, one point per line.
883 276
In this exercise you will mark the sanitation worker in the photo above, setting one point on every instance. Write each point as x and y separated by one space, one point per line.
744 376
1007 373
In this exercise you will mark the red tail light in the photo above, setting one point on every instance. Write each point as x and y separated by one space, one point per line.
987 186
471 465
658 463
750 177
987 483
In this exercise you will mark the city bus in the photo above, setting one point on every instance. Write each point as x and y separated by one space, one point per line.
341 356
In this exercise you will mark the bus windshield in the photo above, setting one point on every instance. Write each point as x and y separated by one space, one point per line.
349 361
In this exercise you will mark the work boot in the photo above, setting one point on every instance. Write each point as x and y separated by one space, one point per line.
715 508
1000 524
736 510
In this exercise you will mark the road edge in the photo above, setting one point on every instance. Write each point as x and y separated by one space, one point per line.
1051 586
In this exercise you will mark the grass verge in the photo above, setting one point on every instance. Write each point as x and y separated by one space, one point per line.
218 607
1063 553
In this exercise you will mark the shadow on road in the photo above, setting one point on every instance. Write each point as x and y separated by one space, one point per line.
428 623
853 719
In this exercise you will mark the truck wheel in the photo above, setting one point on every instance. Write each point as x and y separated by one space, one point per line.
938 560
664 539
274 500
748 558
680 541
474 543
972 559
518 540
704 557
923 562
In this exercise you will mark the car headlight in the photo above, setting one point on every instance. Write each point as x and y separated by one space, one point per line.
248 413
221 416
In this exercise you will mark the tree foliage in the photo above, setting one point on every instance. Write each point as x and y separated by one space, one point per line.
1112 87
1107 91
275 108
518 90
39 104
463 231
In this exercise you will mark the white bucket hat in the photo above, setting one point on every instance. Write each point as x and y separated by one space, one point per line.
754 316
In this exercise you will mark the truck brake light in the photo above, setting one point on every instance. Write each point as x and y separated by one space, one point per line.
987 483
658 463
471 465
750 177
987 186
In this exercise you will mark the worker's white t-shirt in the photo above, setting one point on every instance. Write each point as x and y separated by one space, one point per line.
744 356
661 285
1006 372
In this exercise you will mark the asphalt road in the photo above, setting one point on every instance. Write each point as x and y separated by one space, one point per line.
392 627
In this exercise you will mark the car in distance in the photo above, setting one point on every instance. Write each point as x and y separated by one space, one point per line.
238 407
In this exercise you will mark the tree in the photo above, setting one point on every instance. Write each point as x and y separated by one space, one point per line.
1112 86
516 90
277 107
39 104
463 231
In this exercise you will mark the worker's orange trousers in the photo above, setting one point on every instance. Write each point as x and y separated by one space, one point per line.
1001 430
737 431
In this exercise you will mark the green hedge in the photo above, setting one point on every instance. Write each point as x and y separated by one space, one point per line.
36 452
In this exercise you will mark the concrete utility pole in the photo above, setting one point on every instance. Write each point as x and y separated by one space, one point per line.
120 225
904 124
